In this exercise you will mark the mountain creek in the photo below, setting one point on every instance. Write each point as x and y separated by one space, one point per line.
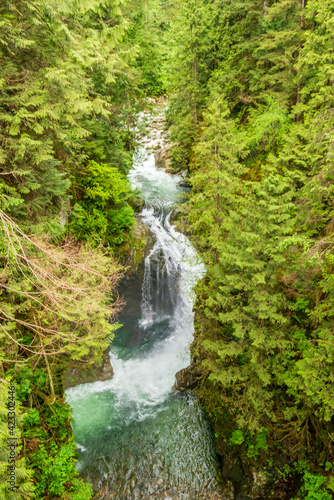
138 437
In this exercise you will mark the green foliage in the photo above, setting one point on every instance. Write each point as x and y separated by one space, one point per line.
102 211
330 484
57 469
237 437
314 485
53 461
149 31
54 288
65 75
191 49
23 474
254 449
56 305
69 95
251 116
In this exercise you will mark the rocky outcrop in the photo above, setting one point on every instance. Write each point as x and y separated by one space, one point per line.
252 479
162 158
184 379
136 203
142 243
77 374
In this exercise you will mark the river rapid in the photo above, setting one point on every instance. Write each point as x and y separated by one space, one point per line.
137 438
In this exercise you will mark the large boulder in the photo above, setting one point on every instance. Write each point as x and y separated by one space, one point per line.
184 379
162 157
142 243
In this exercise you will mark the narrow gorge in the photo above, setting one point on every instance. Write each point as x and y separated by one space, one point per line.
137 436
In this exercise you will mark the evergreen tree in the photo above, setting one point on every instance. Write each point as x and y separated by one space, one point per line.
66 94
58 68
261 215
189 52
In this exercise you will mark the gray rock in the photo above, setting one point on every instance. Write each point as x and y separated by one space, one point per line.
142 242
162 157
184 379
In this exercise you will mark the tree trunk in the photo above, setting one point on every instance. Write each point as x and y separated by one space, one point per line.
48 369
302 14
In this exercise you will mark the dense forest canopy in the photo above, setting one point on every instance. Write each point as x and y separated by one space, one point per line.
71 85
250 117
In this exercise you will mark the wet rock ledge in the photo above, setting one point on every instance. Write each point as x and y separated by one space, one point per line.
78 374
142 243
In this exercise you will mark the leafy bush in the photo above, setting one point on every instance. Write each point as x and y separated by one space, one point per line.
102 210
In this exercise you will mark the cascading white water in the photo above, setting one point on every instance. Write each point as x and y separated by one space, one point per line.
175 264
136 439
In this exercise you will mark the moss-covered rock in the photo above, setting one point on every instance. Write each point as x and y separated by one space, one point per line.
142 242
252 479
77 373
136 203
184 379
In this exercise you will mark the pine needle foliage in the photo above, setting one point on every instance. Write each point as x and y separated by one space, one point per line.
260 156
69 92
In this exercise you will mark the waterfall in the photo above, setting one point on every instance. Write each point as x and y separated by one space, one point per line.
162 269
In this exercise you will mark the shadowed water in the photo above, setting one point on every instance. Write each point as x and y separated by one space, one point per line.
137 438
